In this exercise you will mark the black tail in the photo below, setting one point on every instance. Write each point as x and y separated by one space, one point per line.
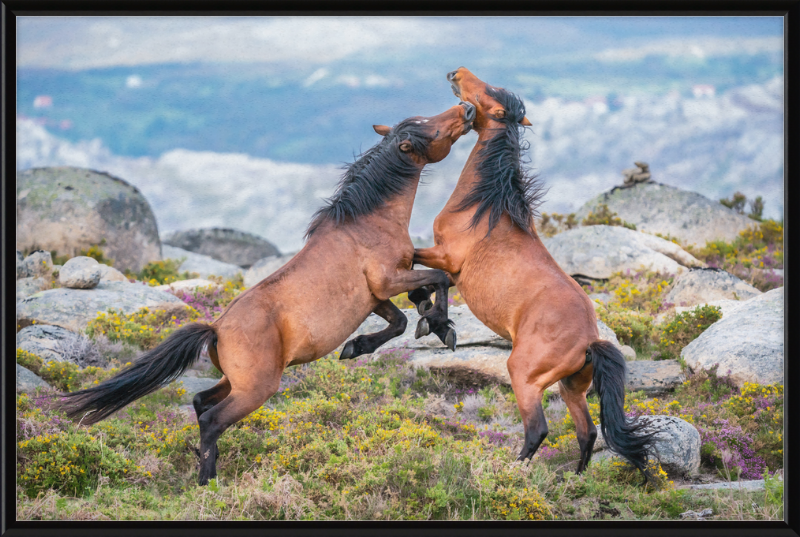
623 435
154 369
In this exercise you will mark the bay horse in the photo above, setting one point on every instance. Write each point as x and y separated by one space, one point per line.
358 250
485 239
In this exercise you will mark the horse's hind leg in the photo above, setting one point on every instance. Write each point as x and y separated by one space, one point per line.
368 343
529 400
422 298
573 391
206 399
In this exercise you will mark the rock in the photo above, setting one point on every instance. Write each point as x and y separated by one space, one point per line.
754 484
265 267
69 210
110 274
677 443
628 352
605 298
656 208
194 385
28 381
37 264
226 245
748 341
186 285
80 273
74 308
203 265
654 377
21 272
58 344
28 286
599 251
700 286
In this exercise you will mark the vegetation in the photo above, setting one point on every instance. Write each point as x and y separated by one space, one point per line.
603 216
144 328
684 328
737 203
551 224
162 272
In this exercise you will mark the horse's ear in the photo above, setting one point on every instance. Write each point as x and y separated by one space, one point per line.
405 146
524 121
383 130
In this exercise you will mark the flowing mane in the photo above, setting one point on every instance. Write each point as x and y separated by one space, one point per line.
378 174
505 185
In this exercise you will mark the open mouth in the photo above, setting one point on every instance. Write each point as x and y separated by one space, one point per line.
456 91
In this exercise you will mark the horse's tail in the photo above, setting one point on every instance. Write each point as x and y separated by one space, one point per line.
154 369
623 435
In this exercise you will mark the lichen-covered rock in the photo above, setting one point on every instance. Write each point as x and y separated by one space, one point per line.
599 251
38 264
226 245
28 381
69 210
748 342
203 265
701 286
656 208
74 308
654 377
55 343
265 267
80 272
110 274
677 443
29 286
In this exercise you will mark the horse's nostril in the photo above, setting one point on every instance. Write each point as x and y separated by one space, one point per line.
469 110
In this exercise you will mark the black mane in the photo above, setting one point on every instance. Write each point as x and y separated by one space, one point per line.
505 185
378 174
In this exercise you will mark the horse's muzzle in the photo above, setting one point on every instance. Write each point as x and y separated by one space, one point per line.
469 113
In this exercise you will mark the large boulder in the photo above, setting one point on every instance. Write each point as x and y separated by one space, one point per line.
654 377
701 286
599 251
656 208
677 443
38 264
264 267
226 245
69 210
748 341
28 381
203 265
80 273
73 309
29 286
58 344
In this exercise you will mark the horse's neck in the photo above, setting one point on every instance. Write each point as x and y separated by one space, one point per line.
398 209
469 175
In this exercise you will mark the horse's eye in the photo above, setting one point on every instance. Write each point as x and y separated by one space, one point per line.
436 135
500 114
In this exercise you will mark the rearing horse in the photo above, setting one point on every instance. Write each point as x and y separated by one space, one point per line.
358 250
486 240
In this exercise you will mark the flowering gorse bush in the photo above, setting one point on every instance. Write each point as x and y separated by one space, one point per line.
684 328
143 328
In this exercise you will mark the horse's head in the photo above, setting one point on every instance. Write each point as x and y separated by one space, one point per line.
495 107
429 139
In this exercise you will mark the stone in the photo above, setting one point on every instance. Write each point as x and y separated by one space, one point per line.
628 352
677 443
226 245
748 342
654 377
753 484
599 251
28 286
186 285
657 208
203 265
69 210
21 272
38 264
700 286
264 267
80 273
28 381
193 385
43 341
110 274
73 309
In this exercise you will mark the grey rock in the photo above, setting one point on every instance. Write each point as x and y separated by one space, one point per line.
21 273
37 264
203 265
43 341
28 381
73 309
69 210
700 286
628 352
80 272
677 443
226 245
28 286
654 377
656 208
754 484
186 285
194 385
110 274
748 342
600 251
264 267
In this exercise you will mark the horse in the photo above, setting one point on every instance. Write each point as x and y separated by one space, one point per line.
485 239
358 249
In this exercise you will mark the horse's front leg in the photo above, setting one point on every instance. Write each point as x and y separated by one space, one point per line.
369 343
434 258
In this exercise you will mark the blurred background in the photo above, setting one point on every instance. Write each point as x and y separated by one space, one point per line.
246 122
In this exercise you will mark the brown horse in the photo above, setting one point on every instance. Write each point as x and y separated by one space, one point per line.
486 241
358 250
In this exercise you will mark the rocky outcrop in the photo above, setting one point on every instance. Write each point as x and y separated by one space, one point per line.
701 286
265 267
657 208
748 342
53 343
28 381
69 210
38 264
29 286
203 265
74 308
226 245
599 251
80 273
639 174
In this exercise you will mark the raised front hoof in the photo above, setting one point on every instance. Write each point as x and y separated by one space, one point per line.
450 339
424 306
423 328
349 351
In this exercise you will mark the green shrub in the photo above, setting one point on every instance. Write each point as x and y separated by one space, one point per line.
630 327
29 360
684 328
552 224
162 272
143 328
603 216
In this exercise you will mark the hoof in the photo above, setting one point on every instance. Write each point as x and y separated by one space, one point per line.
424 306
349 351
450 340
423 328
